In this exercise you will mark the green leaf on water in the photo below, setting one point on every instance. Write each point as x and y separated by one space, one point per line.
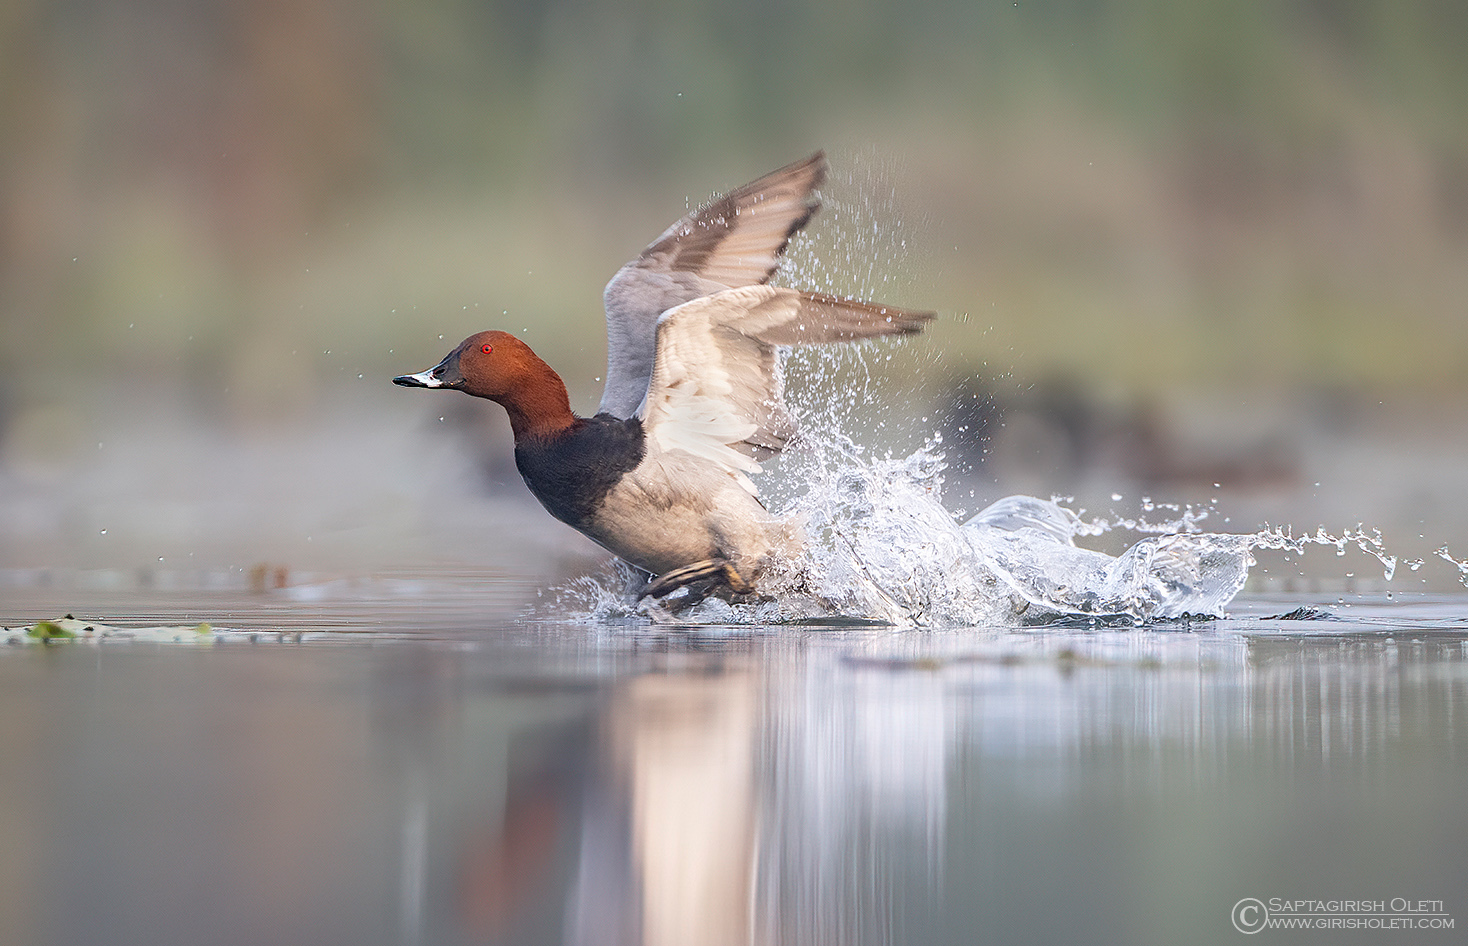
49 631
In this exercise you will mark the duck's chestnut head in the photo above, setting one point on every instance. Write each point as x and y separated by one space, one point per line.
488 364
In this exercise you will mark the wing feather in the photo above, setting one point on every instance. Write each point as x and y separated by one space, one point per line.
717 391
736 240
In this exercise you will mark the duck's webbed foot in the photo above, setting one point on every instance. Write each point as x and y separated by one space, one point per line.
702 579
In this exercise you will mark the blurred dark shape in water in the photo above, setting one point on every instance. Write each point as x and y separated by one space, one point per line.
1059 431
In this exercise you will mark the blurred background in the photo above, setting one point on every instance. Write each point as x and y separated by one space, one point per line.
1209 252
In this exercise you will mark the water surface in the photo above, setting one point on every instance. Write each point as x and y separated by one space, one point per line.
401 763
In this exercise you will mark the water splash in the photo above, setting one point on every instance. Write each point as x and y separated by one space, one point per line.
1030 543
1462 566
866 243
881 546
1282 538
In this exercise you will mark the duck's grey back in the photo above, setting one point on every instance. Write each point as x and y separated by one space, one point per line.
737 240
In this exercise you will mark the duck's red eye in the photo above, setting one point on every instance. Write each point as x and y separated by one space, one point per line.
486 348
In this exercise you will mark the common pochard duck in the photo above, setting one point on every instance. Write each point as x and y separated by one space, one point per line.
694 393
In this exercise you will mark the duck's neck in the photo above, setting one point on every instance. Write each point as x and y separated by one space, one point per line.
538 406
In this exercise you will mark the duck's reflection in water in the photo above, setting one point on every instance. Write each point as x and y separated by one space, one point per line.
855 803
670 839
777 793
725 803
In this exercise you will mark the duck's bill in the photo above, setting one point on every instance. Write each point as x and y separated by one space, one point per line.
445 374
423 379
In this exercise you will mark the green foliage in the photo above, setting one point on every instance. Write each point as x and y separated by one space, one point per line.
258 205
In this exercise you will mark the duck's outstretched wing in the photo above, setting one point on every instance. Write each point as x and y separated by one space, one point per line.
717 391
736 240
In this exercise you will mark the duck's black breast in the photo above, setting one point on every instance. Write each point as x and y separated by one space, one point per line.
571 472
